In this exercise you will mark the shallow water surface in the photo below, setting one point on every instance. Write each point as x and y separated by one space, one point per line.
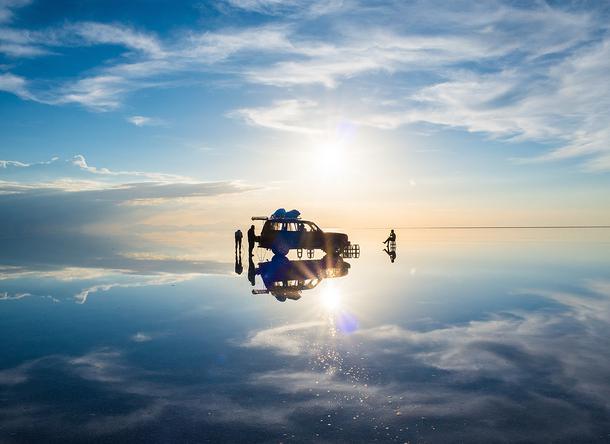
468 336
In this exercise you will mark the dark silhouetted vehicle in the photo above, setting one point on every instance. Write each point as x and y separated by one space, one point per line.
285 279
284 234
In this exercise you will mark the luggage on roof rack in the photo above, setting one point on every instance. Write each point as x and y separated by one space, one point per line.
281 213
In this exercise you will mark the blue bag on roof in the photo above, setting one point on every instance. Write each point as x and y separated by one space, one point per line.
293 214
280 213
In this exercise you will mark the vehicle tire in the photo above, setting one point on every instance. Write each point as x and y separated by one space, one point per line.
280 248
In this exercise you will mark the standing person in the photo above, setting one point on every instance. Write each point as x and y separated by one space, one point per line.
251 239
391 238
238 237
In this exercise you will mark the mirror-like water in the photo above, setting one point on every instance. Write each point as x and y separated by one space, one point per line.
468 335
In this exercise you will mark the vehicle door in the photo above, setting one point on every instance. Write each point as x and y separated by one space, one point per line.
310 236
291 232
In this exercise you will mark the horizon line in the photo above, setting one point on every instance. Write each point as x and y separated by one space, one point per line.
485 227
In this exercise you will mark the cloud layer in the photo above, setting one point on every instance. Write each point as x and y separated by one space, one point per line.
528 73
64 196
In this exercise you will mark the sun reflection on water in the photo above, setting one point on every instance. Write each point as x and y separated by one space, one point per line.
330 298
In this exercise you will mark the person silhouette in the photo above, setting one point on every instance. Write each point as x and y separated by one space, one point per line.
392 253
238 237
251 240
238 266
391 238
251 271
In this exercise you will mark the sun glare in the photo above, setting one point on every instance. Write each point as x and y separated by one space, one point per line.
332 153
330 298
330 157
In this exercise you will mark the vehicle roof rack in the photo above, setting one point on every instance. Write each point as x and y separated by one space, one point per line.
260 218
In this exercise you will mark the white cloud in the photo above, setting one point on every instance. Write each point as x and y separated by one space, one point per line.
75 173
262 5
212 47
7 6
15 84
359 52
22 43
102 33
292 7
144 121
284 115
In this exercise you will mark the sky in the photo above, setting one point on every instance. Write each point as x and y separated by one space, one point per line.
152 116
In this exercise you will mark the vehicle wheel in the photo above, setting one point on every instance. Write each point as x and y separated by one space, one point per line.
280 248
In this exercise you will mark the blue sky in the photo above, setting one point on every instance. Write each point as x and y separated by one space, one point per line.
409 112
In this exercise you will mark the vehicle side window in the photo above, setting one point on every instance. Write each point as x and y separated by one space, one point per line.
312 227
293 226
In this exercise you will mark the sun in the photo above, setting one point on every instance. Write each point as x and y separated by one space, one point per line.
332 151
330 157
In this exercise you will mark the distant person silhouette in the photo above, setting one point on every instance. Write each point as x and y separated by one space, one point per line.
392 253
251 240
251 271
238 237
238 266
391 238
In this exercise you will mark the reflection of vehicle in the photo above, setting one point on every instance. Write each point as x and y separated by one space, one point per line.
284 234
285 279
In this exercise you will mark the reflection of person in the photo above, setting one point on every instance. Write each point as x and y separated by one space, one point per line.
251 239
251 271
238 237
238 266
391 253
391 238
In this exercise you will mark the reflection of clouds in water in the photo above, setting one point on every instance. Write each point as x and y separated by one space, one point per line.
286 339
12 297
147 400
548 363
65 274
94 281
141 281
92 270
141 337
536 376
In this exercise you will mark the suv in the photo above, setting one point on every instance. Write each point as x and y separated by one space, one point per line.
284 234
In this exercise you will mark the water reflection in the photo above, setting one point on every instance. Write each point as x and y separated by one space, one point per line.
286 279
239 268
390 250
489 341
